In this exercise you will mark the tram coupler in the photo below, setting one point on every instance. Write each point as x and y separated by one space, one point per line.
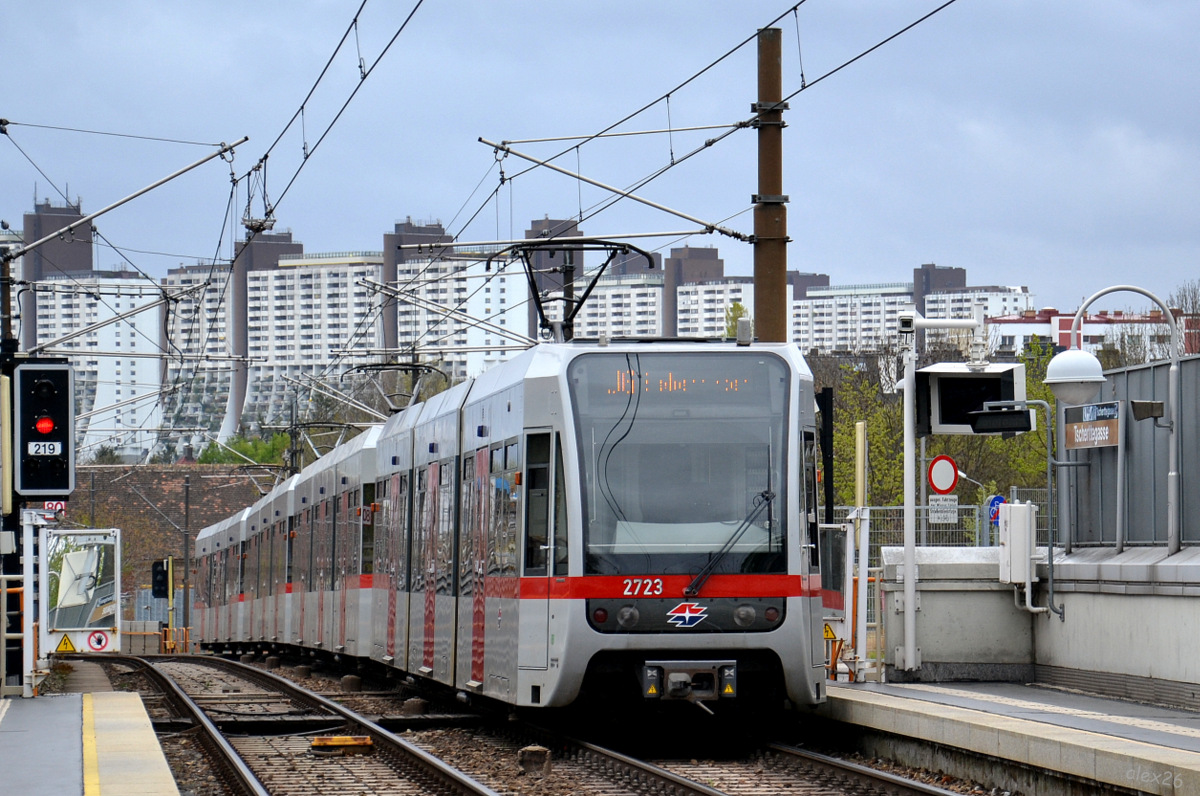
694 681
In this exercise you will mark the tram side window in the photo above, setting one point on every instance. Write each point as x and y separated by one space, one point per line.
336 560
560 511
537 503
271 535
241 568
444 551
291 536
310 543
255 566
467 512
420 533
503 519
382 534
201 589
226 575
367 565
399 532
262 554
810 497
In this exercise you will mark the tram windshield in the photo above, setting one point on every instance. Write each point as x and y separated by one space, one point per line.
682 461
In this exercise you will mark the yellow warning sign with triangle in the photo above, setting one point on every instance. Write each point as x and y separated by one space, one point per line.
652 690
729 688
829 632
65 645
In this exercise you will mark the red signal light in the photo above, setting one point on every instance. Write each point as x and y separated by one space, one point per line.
44 425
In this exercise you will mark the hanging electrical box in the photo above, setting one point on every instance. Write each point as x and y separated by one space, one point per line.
1018 542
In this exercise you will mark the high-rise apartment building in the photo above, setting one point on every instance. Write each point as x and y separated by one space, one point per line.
455 313
234 345
118 377
196 337
703 305
117 367
306 316
849 318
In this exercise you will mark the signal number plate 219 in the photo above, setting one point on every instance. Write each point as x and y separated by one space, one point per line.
45 449
635 587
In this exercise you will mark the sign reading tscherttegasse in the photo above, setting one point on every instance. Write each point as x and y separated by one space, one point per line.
1093 425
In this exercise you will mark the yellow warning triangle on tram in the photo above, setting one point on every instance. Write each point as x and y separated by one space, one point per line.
729 688
652 690
65 645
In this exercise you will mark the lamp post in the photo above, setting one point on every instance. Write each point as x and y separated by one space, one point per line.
966 477
907 656
1075 376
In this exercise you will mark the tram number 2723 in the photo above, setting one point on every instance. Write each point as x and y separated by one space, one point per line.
635 587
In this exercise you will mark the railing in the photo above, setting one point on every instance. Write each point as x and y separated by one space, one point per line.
1037 496
876 636
12 619
970 528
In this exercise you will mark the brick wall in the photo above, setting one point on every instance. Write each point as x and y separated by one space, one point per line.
120 496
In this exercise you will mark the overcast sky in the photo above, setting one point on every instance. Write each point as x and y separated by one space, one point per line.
1047 143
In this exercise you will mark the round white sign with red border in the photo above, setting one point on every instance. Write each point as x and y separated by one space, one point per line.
943 474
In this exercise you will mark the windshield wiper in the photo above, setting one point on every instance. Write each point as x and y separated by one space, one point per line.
762 500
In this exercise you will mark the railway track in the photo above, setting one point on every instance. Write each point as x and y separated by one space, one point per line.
268 724
578 767
267 742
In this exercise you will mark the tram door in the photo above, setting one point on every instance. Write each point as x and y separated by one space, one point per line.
544 555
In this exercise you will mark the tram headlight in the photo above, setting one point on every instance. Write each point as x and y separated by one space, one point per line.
744 615
628 616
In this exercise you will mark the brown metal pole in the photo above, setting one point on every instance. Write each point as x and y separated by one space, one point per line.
771 297
187 554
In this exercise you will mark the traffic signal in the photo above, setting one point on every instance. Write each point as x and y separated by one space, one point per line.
44 429
158 579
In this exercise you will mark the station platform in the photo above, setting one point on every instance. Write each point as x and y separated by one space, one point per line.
1121 744
90 742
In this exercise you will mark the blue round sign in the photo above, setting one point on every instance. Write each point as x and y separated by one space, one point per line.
994 508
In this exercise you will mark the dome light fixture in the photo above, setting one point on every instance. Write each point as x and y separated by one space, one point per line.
1074 376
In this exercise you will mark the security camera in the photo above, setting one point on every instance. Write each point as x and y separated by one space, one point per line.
908 322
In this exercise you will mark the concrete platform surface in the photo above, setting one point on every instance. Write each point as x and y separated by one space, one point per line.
94 744
1149 748
86 677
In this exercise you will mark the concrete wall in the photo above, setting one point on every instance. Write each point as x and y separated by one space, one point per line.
968 627
1128 626
1128 614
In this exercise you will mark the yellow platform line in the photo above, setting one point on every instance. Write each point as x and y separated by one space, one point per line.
91 763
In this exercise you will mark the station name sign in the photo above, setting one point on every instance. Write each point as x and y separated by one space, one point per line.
1093 425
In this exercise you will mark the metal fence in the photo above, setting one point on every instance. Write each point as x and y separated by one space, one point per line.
970 528
147 608
1036 496
967 526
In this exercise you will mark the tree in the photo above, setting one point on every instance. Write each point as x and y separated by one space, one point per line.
733 312
106 454
998 462
862 391
1186 297
257 449
858 395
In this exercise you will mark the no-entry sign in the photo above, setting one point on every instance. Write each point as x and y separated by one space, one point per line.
943 475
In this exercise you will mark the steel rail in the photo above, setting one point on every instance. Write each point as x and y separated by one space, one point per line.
237 775
864 774
451 778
